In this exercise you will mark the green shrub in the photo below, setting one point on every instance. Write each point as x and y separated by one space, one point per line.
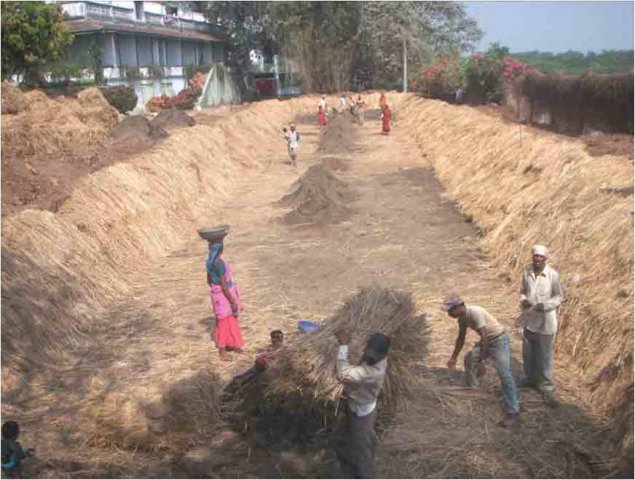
63 73
440 80
484 75
122 98
191 70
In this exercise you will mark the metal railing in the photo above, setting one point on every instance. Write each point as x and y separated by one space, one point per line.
116 13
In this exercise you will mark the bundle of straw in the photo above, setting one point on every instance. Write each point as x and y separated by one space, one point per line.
13 100
307 368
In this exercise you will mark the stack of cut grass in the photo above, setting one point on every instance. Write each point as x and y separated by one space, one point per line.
42 126
307 369
13 100
524 188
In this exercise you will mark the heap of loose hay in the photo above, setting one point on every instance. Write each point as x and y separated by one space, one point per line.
13 100
307 370
48 127
533 188
318 197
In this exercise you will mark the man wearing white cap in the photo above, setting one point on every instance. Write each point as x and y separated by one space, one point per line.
493 345
540 298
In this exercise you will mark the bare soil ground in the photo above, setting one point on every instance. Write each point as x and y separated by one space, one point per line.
401 232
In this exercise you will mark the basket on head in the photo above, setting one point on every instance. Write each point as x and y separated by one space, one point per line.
213 234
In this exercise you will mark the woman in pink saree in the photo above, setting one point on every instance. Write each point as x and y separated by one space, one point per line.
225 299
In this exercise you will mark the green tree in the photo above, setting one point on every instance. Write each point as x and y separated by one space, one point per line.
428 28
575 63
332 43
33 35
484 75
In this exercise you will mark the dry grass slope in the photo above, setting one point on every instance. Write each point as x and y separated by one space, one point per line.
524 188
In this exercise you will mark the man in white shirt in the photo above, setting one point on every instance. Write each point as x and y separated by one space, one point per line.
323 104
540 298
294 142
354 432
343 103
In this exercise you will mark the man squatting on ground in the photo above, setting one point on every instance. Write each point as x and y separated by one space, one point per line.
494 345
354 438
540 298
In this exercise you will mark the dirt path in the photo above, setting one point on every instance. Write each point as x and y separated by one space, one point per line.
401 233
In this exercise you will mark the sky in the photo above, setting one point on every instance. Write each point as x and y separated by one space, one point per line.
555 26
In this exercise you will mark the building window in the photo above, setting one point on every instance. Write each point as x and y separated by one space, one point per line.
173 11
138 11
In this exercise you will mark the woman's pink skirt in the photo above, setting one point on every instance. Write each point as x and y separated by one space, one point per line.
228 333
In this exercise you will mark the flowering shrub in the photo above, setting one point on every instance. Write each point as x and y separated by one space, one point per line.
484 75
440 80
513 69
185 100
197 81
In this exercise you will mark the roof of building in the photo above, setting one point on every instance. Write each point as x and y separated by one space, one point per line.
90 26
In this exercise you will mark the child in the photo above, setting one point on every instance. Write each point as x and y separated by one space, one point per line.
12 452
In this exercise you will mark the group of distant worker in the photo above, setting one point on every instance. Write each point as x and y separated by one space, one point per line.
356 108
540 297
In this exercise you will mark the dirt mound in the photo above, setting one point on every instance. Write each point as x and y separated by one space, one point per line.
335 163
13 100
339 136
173 118
137 129
319 197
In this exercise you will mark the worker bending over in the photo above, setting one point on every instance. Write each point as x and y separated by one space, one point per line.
493 345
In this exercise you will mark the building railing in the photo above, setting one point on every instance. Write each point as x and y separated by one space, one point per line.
121 14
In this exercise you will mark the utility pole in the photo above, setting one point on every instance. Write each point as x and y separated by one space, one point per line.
405 66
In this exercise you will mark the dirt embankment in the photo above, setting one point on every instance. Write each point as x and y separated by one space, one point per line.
49 145
546 189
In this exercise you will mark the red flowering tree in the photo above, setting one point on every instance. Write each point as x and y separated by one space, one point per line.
440 80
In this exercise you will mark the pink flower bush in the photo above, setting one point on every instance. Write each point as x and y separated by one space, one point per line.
513 69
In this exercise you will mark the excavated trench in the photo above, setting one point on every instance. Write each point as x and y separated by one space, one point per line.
106 325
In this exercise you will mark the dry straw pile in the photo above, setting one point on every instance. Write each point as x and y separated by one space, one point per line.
41 126
306 370
60 270
524 187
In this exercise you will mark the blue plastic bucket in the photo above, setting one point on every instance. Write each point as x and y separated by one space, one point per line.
307 326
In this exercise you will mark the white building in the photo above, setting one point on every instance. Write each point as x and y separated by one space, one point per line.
147 45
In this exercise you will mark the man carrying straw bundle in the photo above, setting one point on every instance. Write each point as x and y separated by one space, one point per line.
494 345
540 298
354 430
